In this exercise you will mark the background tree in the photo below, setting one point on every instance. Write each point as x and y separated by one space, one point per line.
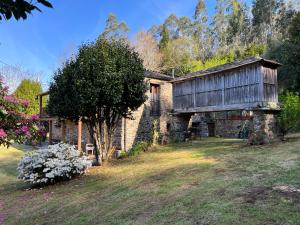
289 117
179 55
13 75
201 31
106 83
148 50
28 90
20 8
220 25
238 25
114 29
14 125
288 53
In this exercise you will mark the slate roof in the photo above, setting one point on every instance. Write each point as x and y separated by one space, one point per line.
159 76
229 66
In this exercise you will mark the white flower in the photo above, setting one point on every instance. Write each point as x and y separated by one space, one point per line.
57 162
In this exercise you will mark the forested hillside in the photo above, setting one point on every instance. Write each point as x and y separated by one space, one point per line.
268 28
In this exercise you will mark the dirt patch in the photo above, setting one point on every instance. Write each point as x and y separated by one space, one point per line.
289 192
219 171
262 193
256 193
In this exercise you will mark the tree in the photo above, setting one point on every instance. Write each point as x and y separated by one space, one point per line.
286 13
288 53
178 55
12 76
114 29
220 25
238 24
289 118
103 84
28 90
146 46
201 32
20 8
264 19
14 125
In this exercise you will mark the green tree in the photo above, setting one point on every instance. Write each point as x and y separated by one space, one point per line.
289 118
220 25
238 24
115 30
179 55
201 31
28 90
264 19
105 83
288 53
20 8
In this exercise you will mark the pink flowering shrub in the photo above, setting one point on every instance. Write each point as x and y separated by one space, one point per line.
14 125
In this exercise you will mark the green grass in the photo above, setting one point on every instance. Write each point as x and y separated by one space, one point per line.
210 181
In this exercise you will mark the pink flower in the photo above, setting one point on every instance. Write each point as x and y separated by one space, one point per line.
25 103
2 133
34 117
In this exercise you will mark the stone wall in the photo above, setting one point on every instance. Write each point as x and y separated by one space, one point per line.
140 127
265 121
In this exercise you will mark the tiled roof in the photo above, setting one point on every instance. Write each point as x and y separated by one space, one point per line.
156 75
229 66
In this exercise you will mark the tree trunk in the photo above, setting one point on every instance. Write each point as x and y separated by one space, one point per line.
97 143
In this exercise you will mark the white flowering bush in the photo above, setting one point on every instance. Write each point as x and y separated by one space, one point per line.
52 164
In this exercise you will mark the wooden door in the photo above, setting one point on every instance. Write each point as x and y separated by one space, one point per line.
211 129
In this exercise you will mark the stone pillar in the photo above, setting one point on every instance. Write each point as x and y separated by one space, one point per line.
179 126
264 122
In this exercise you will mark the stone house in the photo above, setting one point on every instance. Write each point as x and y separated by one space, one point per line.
157 107
231 100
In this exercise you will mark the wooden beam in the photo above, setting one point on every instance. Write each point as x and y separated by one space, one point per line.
50 132
246 106
63 131
41 104
79 135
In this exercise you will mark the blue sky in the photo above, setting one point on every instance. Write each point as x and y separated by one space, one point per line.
40 42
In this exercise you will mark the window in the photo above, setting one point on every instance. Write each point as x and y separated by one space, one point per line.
155 100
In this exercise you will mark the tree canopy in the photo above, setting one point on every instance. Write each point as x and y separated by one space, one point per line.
28 90
20 8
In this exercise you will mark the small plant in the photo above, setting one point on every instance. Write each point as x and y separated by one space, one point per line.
139 147
53 164
123 154
155 133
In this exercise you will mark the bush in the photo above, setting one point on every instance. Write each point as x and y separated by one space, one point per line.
139 147
289 117
49 165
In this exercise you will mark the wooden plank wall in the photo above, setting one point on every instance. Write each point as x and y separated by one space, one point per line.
241 86
270 84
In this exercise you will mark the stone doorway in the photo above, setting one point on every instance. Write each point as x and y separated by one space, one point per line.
211 129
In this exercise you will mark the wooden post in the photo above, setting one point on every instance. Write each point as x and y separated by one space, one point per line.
41 105
79 134
50 132
63 131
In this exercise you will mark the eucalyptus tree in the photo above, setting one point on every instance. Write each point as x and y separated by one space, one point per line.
115 29
202 33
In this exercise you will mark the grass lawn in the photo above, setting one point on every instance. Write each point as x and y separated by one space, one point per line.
211 181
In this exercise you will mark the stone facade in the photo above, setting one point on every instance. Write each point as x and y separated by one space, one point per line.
231 124
140 127
129 131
